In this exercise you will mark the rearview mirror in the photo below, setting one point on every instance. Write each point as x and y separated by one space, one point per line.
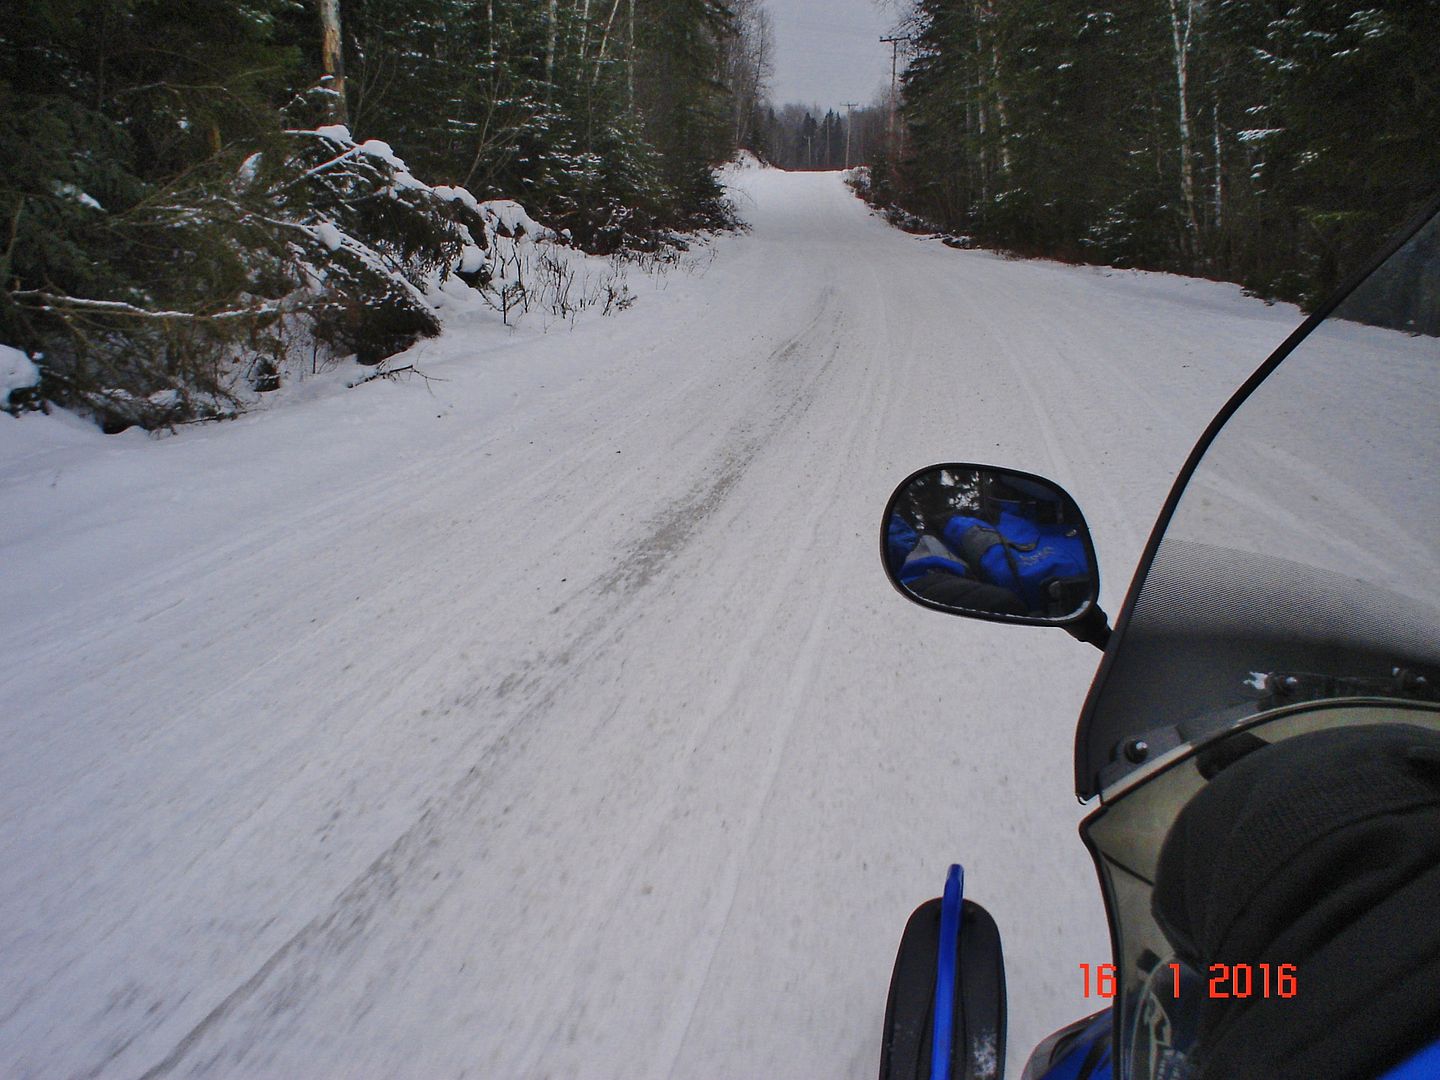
990 544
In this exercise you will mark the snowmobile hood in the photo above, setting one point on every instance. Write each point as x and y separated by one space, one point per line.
1298 554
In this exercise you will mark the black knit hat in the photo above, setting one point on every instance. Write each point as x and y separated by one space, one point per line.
1323 852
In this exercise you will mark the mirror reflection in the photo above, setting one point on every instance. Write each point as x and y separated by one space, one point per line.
984 541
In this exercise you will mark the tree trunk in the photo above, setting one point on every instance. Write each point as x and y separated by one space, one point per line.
982 110
550 45
1002 125
1219 191
605 41
332 58
1181 37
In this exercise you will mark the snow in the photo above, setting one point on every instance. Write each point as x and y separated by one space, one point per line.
474 725
457 194
378 148
249 169
327 233
471 259
70 191
17 372
513 219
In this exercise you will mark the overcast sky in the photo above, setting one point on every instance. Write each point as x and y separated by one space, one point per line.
828 51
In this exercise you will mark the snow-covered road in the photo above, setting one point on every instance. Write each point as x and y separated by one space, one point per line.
555 719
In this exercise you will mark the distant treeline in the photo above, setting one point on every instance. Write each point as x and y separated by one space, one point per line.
157 181
1270 142
803 138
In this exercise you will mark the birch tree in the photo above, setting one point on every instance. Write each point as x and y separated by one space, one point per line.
1182 30
748 65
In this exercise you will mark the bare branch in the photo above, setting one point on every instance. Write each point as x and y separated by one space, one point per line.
60 304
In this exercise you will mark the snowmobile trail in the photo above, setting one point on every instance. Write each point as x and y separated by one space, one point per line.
554 717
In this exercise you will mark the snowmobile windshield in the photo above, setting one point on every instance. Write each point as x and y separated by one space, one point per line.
1298 557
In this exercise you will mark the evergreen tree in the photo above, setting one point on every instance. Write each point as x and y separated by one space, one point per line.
109 146
1271 141
1351 103
163 203
684 103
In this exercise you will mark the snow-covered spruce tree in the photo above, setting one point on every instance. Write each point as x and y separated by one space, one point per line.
167 239
1338 129
584 110
313 237
172 234
685 103
105 141
363 239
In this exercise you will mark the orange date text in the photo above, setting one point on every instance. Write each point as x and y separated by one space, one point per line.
1226 980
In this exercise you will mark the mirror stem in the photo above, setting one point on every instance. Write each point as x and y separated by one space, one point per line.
1093 628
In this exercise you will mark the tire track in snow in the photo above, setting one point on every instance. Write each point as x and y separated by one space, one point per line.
795 392
673 526
797 688
284 977
531 683
1061 451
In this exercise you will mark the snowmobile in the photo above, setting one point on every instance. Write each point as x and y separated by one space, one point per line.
1262 734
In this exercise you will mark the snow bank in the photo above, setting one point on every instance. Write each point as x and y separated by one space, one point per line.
340 252
17 372
496 262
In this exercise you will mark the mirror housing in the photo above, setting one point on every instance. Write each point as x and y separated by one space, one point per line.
996 544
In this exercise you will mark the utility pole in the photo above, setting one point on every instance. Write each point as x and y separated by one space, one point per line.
848 106
894 43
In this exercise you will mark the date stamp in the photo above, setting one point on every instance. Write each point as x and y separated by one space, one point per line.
1226 980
